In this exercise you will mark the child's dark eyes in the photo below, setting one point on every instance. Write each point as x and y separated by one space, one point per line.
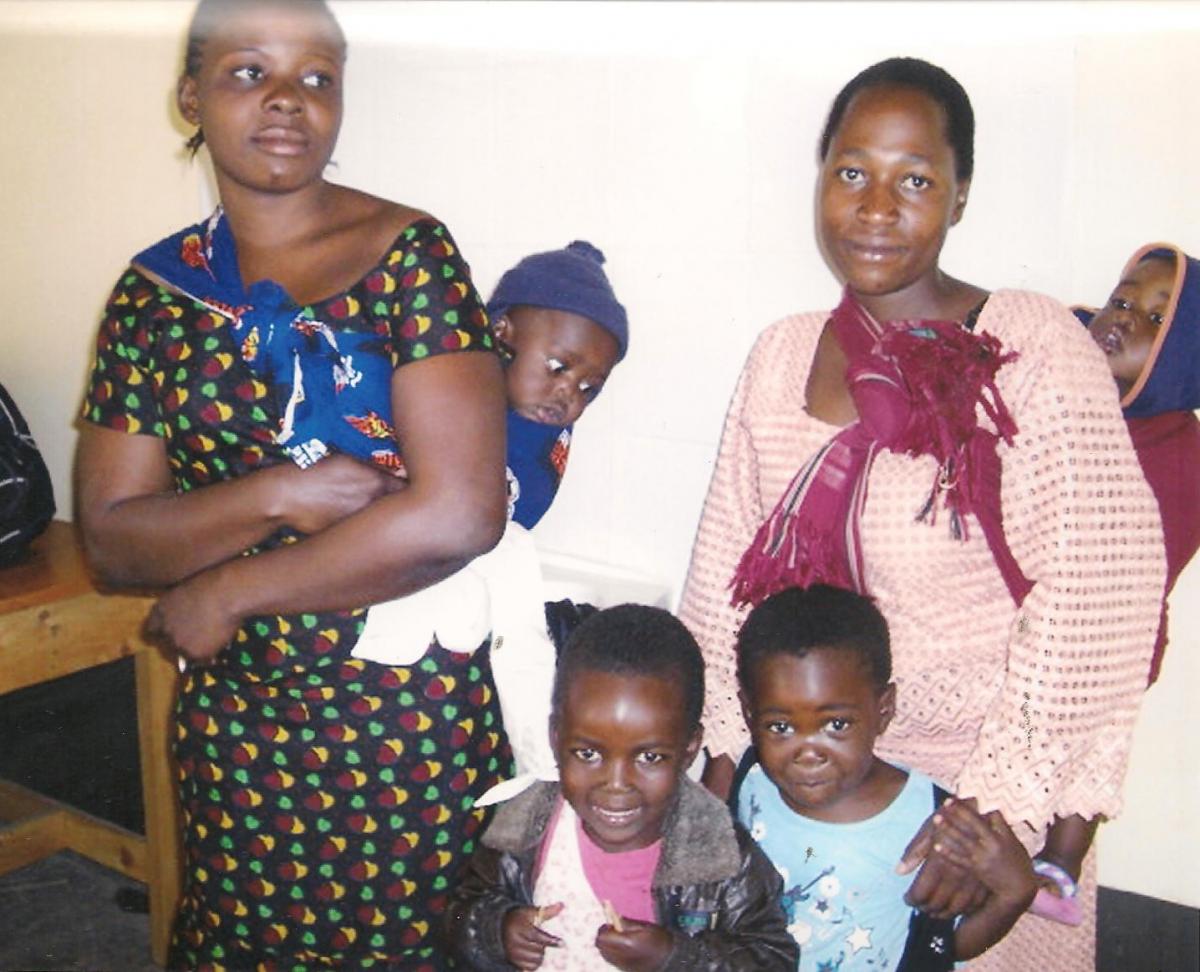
585 754
777 727
1156 320
318 79
849 173
589 389
254 72
838 724
652 758
1120 303
915 181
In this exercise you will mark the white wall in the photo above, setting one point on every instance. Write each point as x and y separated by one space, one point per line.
681 139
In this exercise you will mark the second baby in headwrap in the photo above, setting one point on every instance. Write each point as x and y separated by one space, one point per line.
1150 332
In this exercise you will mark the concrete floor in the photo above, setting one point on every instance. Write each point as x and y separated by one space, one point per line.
62 915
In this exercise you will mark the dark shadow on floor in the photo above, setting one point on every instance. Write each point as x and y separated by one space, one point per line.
1140 934
75 739
62 915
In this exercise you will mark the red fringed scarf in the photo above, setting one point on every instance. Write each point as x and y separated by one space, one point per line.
916 386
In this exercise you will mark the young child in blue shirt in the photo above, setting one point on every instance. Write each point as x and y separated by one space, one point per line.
814 671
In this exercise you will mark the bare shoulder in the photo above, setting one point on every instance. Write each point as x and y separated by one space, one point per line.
371 219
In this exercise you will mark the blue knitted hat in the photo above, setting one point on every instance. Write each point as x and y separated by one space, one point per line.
571 279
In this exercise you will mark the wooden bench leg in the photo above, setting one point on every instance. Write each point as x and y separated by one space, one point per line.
157 682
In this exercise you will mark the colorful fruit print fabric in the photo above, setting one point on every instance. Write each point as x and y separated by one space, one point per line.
327 800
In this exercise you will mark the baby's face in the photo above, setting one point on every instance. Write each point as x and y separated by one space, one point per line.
561 362
1128 324
622 745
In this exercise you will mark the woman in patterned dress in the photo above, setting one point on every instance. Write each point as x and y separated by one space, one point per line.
328 801
1005 532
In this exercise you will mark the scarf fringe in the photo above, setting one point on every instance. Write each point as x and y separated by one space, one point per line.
804 556
918 386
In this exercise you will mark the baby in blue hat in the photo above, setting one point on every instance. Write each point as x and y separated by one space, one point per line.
561 330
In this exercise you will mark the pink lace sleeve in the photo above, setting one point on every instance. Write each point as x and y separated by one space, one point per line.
1084 526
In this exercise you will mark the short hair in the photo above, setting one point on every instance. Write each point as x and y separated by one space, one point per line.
938 84
209 13
634 639
797 620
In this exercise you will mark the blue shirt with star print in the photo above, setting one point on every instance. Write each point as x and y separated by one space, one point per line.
843 897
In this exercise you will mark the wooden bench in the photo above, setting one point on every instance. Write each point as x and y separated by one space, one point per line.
54 622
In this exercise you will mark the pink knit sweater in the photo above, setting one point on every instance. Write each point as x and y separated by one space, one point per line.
1029 710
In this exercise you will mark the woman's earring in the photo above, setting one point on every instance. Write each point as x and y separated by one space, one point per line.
193 144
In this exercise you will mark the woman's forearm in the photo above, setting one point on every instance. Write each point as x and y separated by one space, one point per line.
399 544
138 531
1068 841
452 510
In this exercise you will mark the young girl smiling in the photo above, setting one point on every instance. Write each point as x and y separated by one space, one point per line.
625 863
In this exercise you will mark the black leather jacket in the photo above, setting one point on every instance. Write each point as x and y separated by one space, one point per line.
714 889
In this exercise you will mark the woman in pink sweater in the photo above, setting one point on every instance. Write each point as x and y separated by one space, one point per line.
960 456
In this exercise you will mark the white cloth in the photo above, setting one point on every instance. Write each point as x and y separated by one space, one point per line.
500 592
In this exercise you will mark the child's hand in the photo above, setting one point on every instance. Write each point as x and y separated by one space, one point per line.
988 848
637 947
525 941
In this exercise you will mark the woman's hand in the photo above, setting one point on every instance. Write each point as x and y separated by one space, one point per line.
987 847
637 947
317 497
194 619
525 941
943 888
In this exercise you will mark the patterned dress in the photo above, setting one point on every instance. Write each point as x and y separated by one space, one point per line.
328 801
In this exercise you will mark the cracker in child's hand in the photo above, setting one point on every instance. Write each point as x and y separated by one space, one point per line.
610 913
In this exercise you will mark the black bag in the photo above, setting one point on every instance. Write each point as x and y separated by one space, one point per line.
26 493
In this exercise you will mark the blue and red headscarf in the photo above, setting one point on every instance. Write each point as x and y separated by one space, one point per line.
332 386
1170 379
1159 410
